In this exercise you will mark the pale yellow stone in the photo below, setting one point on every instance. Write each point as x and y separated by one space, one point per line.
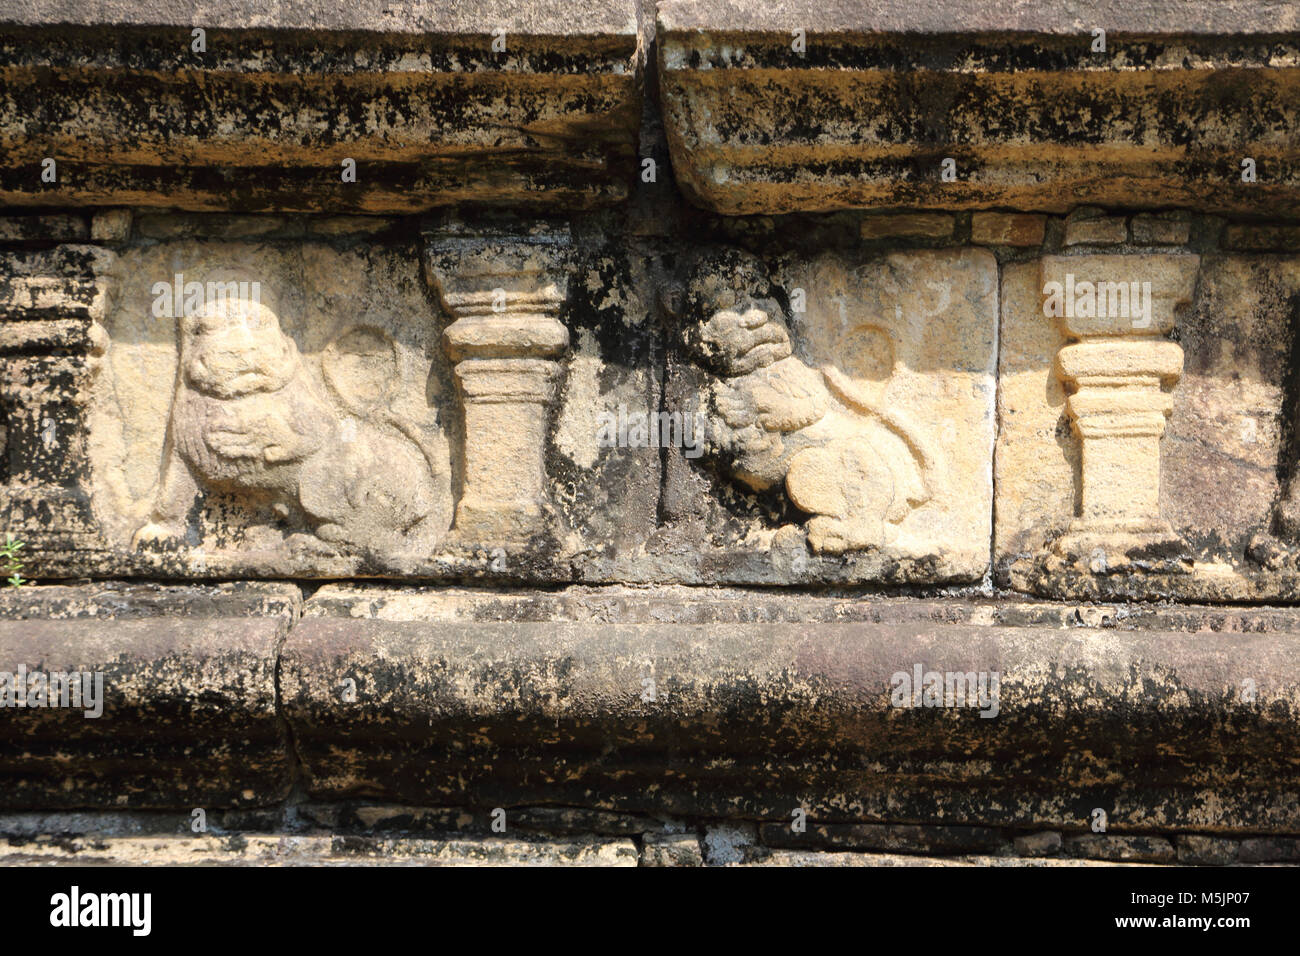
1207 464
308 415
873 408
1038 455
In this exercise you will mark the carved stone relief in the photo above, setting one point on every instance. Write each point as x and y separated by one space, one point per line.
305 415
504 293
52 344
870 409
1140 454
249 418
1120 372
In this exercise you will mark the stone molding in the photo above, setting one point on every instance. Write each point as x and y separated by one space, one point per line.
265 115
428 705
1031 117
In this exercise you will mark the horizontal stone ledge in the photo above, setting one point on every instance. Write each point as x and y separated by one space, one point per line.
1175 719
944 17
544 17
264 116
315 849
174 712
756 720
1032 118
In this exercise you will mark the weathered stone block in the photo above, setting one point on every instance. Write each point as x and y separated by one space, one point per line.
1126 849
901 104
869 412
1269 850
671 849
1173 229
1254 238
917 225
119 600
186 713
1007 229
1038 844
1197 850
1224 442
1095 231
19 230
417 108
491 714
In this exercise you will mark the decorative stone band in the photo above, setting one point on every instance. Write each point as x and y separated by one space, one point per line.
504 293
1120 375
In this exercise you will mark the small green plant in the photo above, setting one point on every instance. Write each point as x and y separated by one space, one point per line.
10 566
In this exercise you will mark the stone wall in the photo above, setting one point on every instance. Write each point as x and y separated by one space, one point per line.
619 417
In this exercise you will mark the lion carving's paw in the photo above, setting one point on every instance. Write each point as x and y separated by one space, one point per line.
156 532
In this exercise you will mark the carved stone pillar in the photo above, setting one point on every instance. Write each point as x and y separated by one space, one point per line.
504 292
51 343
1119 375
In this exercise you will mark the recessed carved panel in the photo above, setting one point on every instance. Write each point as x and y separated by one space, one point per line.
1149 456
862 392
302 419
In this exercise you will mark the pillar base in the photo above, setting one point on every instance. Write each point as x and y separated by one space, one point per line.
485 522
1100 545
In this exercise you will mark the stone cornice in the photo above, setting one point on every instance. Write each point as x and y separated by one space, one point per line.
263 118
1032 117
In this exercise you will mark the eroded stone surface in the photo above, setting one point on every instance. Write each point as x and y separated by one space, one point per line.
187 713
442 707
869 408
428 106
1220 456
1031 117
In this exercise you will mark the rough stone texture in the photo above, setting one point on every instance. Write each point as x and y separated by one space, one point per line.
315 850
1161 230
692 605
415 96
1038 844
671 849
1095 231
806 858
306 835
888 838
1007 229
42 229
1030 116
1198 850
1251 238
731 843
1221 455
1270 850
567 708
189 715
917 225
1126 849
118 600
111 225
